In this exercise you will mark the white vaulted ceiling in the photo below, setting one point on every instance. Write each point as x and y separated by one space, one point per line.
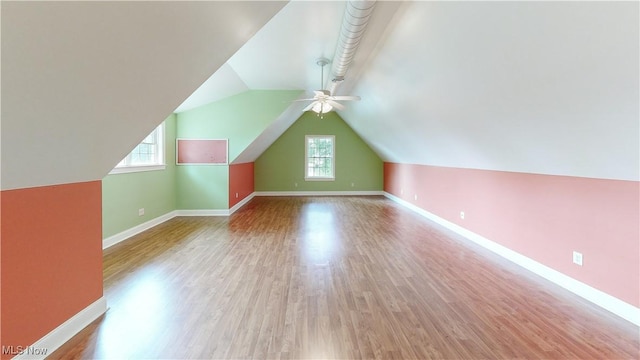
537 87
540 87
283 54
84 82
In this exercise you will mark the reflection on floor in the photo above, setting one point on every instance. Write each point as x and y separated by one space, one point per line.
348 277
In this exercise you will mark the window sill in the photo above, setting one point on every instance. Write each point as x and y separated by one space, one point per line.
319 179
132 169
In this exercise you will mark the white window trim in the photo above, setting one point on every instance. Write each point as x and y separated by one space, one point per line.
306 158
151 167
141 168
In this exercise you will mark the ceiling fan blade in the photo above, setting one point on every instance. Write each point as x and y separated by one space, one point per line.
309 106
345 98
303 100
336 105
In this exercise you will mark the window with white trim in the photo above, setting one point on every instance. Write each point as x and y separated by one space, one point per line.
148 155
319 157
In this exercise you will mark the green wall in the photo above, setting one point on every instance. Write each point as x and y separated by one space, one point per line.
241 119
281 166
155 191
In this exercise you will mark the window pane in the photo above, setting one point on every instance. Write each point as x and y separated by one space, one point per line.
319 157
148 152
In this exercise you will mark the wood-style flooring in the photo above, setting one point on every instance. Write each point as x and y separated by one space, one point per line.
333 277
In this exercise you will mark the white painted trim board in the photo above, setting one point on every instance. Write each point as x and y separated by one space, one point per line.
63 333
598 297
319 193
124 235
242 203
202 212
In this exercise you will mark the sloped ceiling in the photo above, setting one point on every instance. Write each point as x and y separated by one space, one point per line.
223 83
537 87
84 82
282 56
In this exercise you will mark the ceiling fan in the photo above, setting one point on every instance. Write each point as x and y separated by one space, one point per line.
323 101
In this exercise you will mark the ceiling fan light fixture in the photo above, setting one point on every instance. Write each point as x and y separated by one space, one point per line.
323 108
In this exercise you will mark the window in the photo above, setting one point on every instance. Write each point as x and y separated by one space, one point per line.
148 155
319 157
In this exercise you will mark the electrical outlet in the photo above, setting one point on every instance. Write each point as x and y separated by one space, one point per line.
140 211
236 195
295 184
401 191
415 197
462 215
353 184
577 258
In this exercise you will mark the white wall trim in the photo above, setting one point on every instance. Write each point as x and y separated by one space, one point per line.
237 206
124 235
60 335
598 297
134 169
203 212
318 193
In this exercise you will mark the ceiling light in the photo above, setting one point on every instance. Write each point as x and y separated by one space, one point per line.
320 107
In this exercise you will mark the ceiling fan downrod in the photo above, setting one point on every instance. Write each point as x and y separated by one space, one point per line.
322 62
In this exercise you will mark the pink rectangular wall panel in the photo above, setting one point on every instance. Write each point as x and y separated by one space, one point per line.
201 151
241 182
543 217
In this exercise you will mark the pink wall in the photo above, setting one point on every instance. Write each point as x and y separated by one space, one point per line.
201 151
51 258
240 182
543 217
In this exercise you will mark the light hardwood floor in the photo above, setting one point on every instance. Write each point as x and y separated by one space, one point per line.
323 277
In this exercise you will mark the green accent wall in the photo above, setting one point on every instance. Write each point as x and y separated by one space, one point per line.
241 119
155 191
202 187
281 166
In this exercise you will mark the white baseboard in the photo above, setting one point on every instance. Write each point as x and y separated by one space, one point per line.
237 206
63 333
318 193
203 212
112 240
124 235
600 298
